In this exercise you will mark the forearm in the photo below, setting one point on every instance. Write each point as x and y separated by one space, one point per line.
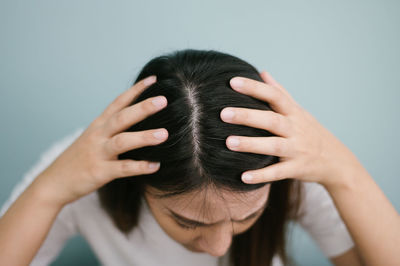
369 216
25 225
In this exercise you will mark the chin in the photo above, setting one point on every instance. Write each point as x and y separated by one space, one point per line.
193 249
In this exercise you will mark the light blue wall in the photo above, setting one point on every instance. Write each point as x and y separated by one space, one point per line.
63 62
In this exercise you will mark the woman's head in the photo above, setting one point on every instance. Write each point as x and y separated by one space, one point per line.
206 220
199 177
196 85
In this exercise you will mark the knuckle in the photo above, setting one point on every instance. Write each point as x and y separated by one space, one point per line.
94 135
276 172
126 167
144 137
287 125
277 147
95 170
284 148
120 100
275 96
244 143
259 85
144 166
149 137
120 118
118 142
269 114
148 106
242 115
275 121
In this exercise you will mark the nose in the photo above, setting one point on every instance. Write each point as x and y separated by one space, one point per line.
216 242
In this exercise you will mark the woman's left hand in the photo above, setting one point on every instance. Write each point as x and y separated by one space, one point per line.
307 150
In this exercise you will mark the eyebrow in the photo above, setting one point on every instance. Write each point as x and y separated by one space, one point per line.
201 224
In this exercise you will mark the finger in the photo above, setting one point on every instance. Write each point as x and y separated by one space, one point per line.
278 101
275 146
266 76
271 173
128 97
267 120
133 114
126 168
127 141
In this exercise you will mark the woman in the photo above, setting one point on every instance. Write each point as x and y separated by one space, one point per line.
239 159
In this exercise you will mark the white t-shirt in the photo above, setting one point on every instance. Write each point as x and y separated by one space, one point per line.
148 244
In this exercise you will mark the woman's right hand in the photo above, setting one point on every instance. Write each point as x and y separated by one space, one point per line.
92 160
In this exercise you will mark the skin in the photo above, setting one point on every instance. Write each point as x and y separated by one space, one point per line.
210 205
308 152
87 164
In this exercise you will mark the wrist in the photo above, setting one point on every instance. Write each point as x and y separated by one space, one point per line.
45 193
345 176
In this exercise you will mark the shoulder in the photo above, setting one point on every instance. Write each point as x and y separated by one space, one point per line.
65 225
316 206
313 193
319 217
44 160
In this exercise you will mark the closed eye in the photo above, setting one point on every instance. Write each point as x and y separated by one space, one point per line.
189 226
192 224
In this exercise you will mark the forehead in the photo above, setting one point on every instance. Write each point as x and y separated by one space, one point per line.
212 204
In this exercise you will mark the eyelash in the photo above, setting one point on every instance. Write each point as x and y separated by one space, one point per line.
192 227
187 227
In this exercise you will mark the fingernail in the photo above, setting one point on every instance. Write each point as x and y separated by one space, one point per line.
233 142
154 165
246 177
160 134
237 82
149 80
227 114
159 101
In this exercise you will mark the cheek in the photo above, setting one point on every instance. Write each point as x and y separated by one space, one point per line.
241 228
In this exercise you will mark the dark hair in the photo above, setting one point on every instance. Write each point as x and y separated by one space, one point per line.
196 85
